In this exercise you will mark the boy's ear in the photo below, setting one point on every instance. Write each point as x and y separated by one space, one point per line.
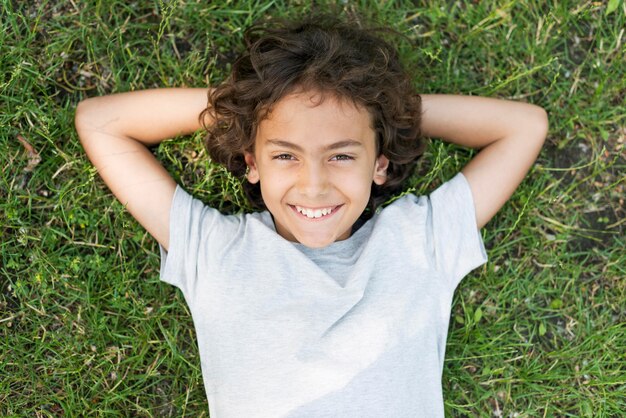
253 173
380 172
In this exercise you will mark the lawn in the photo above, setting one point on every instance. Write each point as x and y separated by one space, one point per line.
86 328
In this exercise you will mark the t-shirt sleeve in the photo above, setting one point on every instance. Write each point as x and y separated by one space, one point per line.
457 244
195 231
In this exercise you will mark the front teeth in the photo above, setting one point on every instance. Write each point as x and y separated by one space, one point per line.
317 213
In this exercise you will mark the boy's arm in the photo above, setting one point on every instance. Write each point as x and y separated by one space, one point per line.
509 134
115 132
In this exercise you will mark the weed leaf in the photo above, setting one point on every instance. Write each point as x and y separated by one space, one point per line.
612 6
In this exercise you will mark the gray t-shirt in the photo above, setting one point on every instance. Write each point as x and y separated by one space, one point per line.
356 329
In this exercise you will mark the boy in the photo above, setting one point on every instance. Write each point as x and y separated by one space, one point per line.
319 306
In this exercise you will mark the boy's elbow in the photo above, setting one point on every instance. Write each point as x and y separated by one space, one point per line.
541 123
536 126
79 114
81 111
82 118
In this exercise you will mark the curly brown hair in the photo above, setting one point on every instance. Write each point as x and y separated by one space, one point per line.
326 55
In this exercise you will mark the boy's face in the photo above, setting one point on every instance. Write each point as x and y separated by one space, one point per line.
315 163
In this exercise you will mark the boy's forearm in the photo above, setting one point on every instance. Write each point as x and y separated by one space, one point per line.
476 122
147 116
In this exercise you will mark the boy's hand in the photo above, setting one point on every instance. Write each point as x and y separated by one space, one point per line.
115 130
509 134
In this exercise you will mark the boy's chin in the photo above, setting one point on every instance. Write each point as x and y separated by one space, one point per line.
314 235
320 241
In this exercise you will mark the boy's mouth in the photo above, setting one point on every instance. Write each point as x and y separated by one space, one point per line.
316 213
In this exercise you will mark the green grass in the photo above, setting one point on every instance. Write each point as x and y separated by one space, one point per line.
87 329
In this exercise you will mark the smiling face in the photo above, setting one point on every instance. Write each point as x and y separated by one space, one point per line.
315 162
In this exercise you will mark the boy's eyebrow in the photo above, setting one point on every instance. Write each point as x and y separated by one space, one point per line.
335 145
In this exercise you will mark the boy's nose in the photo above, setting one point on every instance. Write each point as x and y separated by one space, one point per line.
313 180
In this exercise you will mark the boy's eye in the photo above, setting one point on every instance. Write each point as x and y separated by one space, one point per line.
282 157
342 157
